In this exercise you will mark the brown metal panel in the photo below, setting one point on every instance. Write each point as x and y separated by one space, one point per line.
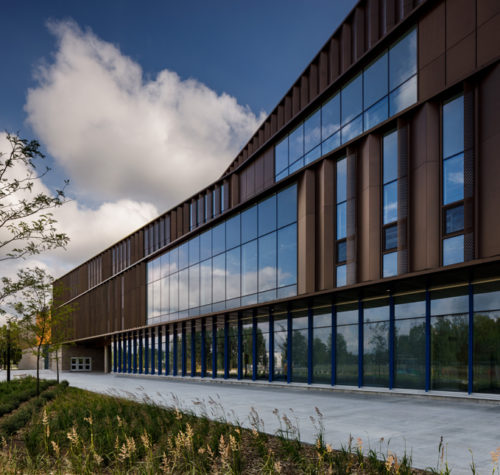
243 184
390 14
244 154
269 167
359 32
217 200
251 176
306 224
227 194
261 134
425 188
185 218
274 123
179 221
461 59
281 115
106 264
288 107
431 78
201 209
258 176
173 225
346 46
304 89
431 35
323 69
249 148
374 21
407 7
488 189
369 231
488 39
326 237
267 130
295 100
208 197
313 81
486 10
460 20
334 60
235 190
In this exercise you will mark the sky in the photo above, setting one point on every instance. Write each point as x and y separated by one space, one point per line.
142 104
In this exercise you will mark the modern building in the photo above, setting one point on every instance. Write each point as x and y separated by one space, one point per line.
353 241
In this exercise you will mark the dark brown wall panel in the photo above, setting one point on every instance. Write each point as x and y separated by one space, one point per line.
359 33
431 35
431 78
250 181
334 59
488 39
306 224
295 100
235 190
257 176
460 20
425 188
323 70
461 59
313 81
325 235
304 91
486 10
374 21
369 167
489 164
346 46
268 167
288 107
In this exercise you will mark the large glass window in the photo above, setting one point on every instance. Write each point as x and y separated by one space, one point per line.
449 339
247 348
409 341
385 87
300 345
346 346
376 343
262 348
254 259
280 347
322 345
453 181
486 355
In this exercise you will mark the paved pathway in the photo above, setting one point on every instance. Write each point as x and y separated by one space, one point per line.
414 424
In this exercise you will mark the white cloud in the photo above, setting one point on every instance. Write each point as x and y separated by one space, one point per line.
90 230
120 136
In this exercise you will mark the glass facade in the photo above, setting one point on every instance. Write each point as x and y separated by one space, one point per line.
441 339
385 87
453 181
248 258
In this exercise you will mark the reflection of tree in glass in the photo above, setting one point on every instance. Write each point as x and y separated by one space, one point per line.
449 352
486 352
378 343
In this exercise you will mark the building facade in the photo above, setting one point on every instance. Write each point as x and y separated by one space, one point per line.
353 241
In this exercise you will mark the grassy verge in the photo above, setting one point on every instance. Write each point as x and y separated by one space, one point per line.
14 393
82 432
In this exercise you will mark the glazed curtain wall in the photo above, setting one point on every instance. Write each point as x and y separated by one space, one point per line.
385 87
250 257
445 339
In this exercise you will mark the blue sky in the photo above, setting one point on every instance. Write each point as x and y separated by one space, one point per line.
121 94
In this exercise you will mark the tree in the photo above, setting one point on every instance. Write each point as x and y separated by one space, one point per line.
34 310
26 228
10 348
60 314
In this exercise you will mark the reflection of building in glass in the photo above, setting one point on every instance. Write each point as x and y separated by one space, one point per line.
354 241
